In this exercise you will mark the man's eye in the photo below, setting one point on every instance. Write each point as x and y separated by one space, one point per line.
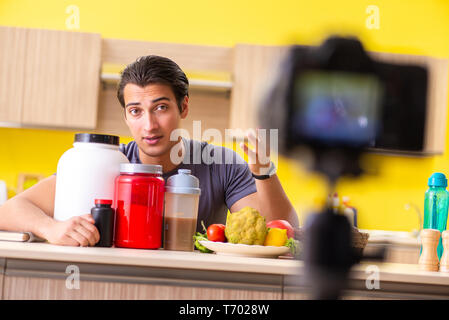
133 112
161 107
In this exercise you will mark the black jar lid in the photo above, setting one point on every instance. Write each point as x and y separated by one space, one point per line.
97 138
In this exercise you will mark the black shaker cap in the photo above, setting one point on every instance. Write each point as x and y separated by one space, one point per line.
97 138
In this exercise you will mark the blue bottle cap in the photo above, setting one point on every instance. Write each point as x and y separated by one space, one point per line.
437 180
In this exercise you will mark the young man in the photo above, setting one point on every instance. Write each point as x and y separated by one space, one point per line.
154 94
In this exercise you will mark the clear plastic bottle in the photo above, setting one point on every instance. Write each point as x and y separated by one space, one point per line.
182 195
436 203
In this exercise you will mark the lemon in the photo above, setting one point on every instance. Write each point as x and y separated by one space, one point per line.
276 237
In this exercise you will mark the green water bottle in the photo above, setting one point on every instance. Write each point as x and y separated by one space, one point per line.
436 202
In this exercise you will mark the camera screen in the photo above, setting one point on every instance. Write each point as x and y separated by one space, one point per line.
336 108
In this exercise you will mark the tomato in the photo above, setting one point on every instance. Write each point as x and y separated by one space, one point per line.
216 232
282 224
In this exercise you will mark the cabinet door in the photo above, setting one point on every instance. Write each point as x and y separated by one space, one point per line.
12 66
61 79
253 69
39 288
437 93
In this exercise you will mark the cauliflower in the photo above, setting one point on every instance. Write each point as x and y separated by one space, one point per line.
246 226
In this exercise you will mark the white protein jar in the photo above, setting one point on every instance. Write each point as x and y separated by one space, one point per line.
86 172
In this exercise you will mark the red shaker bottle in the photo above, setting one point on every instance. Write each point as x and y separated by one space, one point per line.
139 203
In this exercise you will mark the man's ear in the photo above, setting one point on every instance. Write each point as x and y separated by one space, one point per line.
185 107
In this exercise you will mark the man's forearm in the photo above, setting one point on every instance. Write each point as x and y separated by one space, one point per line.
274 203
20 214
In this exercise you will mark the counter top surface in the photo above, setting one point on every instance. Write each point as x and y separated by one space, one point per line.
151 258
408 273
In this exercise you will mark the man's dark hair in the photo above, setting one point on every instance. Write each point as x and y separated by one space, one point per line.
155 70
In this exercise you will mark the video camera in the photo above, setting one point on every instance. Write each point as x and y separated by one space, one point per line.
336 101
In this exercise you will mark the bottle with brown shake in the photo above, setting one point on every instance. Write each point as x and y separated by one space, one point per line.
182 195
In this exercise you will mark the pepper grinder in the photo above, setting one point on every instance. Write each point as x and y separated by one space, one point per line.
444 263
428 260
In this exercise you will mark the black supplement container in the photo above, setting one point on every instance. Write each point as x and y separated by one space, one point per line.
103 215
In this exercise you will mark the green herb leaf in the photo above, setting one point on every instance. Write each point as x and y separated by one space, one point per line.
198 236
291 243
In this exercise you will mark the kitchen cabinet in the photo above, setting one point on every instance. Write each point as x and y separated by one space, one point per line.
12 66
55 289
48 280
44 271
189 57
53 80
253 70
40 272
437 94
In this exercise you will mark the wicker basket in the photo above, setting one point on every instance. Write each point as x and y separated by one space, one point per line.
359 239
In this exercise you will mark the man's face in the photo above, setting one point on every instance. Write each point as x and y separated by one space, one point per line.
152 114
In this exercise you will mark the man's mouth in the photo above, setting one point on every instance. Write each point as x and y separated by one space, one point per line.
152 140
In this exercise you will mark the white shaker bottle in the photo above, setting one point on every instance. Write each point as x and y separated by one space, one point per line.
182 195
86 172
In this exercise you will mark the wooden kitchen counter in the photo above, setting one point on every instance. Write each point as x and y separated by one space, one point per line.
44 271
147 258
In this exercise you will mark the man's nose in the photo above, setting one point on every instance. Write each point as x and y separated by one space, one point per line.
151 122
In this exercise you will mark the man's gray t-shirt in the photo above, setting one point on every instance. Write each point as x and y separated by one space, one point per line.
223 175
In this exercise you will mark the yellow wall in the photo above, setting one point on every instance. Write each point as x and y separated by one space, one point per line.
414 26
